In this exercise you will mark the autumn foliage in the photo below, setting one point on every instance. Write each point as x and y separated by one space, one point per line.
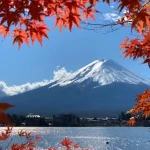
30 142
24 20
3 116
138 15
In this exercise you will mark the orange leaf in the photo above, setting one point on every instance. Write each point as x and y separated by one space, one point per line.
5 135
5 106
37 138
131 121
4 118
76 146
66 142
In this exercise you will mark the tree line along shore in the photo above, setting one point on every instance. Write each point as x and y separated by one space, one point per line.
72 120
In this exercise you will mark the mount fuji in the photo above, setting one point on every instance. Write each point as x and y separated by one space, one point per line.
102 88
103 72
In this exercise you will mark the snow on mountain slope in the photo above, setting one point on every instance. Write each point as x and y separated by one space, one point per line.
88 98
103 72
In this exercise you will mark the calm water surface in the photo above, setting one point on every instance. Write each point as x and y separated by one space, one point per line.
120 138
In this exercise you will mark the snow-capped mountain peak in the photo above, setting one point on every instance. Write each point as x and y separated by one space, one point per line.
83 92
104 71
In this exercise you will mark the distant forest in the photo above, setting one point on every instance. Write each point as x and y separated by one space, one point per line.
72 120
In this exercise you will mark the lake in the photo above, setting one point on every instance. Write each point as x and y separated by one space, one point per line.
95 138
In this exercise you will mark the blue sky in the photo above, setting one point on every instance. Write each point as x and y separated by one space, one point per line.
70 50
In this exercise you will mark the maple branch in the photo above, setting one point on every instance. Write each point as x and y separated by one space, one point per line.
148 1
99 26
112 30
29 140
9 144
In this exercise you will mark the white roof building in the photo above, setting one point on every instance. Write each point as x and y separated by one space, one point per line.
33 116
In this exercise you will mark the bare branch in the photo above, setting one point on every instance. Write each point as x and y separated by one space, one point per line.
112 25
